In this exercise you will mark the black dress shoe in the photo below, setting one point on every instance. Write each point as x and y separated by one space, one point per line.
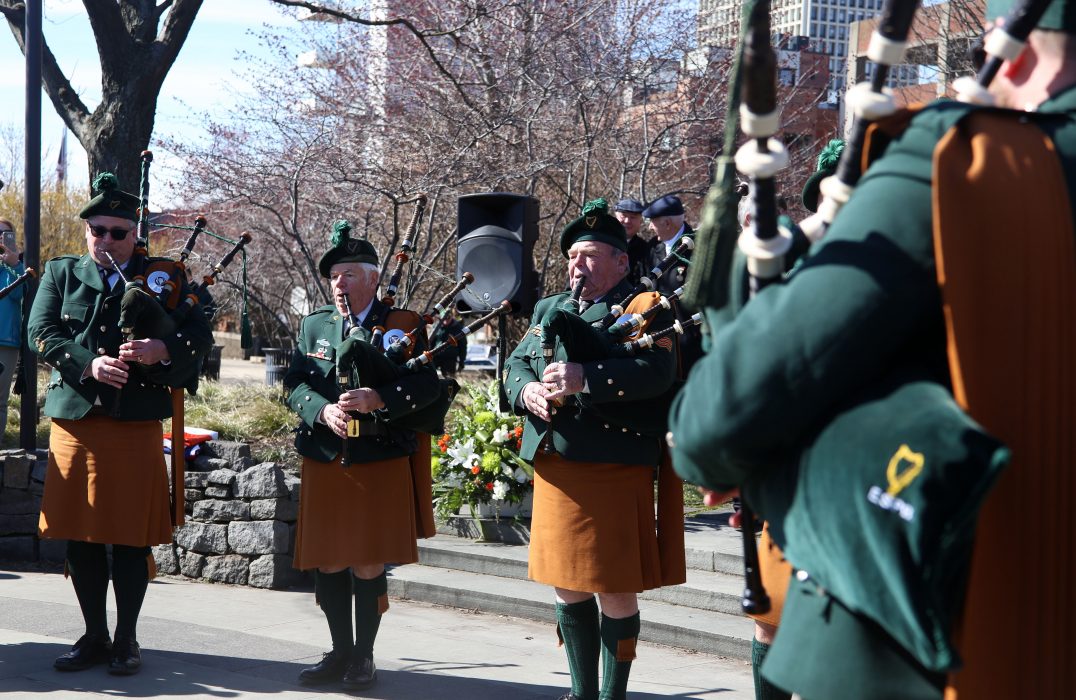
360 674
330 669
126 657
89 650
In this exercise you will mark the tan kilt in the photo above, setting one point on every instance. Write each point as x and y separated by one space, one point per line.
364 514
592 528
776 572
106 482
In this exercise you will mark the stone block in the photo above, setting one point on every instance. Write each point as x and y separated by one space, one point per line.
18 524
16 471
193 495
191 564
221 477
165 556
195 480
38 471
258 537
203 538
294 485
52 550
237 454
18 502
218 492
261 481
273 571
230 568
221 511
204 463
18 548
274 509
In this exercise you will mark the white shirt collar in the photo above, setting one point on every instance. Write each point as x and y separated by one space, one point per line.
670 245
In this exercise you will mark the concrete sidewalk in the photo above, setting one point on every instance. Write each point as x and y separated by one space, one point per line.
210 640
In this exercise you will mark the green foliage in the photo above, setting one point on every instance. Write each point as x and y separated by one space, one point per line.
477 461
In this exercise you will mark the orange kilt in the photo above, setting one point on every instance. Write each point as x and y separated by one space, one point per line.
593 528
364 514
776 572
106 482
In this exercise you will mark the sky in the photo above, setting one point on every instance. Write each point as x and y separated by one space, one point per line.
206 77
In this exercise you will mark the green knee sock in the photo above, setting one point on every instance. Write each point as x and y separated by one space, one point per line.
764 690
619 635
334 597
371 600
87 564
130 579
578 625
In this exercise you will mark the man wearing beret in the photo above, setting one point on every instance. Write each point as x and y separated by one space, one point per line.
667 221
106 482
948 276
629 212
593 527
357 516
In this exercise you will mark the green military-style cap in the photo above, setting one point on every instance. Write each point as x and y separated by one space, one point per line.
827 165
596 224
345 249
110 200
1059 16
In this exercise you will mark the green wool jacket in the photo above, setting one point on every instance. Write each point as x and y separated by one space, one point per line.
851 344
311 381
580 431
74 319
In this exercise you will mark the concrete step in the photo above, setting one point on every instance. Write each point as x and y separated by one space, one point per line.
709 543
704 590
662 622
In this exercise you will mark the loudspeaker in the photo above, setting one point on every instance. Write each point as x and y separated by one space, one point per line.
497 232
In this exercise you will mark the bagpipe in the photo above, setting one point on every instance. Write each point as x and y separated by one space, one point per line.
153 306
621 333
27 274
386 352
937 479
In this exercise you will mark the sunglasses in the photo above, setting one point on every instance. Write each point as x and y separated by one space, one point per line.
118 234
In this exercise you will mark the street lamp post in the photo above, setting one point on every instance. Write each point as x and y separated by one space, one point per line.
31 222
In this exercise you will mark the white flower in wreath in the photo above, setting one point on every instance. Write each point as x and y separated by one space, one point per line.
500 436
453 480
507 470
500 490
463 454
521 475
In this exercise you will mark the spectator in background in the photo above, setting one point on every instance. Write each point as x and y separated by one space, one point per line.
629 212
10 313
453 358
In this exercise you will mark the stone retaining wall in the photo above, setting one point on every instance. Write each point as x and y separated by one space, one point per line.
240 526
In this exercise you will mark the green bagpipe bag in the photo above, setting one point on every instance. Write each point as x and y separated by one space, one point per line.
880 510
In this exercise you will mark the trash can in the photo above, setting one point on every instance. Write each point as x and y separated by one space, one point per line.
211 363
276 365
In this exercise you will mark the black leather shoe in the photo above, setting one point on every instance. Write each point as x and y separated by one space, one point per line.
126 657
89 650
330 669
361 674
